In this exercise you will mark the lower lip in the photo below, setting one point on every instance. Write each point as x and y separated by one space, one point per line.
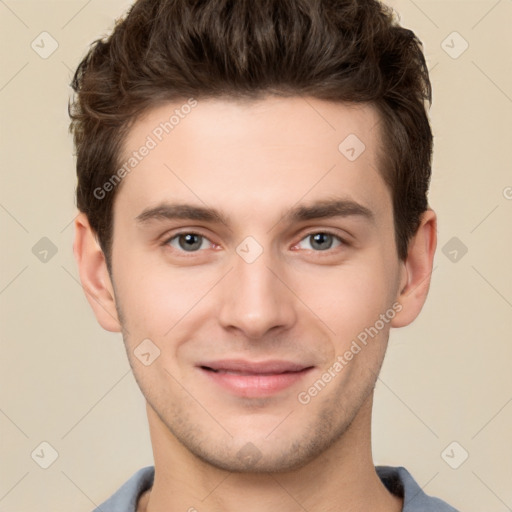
254 386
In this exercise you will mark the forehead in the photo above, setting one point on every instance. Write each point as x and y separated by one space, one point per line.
252 156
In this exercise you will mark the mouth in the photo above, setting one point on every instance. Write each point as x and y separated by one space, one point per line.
254 379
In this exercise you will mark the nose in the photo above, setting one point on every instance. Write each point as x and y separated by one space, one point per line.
256 299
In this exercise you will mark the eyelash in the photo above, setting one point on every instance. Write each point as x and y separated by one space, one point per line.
311 233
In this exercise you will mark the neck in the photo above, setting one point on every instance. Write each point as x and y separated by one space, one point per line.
341 478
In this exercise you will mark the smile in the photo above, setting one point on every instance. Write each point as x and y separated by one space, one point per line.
254 380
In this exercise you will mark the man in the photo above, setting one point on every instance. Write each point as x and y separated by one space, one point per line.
252 181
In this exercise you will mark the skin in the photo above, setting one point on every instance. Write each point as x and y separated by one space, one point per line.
254 162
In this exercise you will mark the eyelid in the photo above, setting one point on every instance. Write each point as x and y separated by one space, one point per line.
188 230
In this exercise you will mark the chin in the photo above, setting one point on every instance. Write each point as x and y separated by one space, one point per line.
250 459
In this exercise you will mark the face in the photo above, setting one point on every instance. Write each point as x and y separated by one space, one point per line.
253 251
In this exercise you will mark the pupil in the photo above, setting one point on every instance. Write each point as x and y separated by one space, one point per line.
321 238
190 242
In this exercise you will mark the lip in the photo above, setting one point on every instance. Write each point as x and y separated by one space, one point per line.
254 378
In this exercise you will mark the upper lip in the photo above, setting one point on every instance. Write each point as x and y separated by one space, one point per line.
256 367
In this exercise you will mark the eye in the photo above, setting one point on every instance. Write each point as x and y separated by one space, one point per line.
189 242
321 241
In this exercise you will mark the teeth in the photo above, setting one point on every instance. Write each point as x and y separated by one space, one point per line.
231 372
248 374
245 373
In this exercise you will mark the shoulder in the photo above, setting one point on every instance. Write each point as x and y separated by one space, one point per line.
396 479
126 497
400 482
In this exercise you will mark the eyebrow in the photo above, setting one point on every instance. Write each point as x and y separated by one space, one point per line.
319 210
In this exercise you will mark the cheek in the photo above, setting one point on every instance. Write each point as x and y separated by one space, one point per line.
156 296
349 298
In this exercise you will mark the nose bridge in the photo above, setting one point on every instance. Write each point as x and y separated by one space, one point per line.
253 299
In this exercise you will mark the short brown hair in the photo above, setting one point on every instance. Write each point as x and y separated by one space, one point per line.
350 51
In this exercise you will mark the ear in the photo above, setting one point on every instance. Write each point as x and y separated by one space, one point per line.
417 270
94 275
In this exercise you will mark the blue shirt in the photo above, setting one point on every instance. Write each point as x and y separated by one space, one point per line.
396 479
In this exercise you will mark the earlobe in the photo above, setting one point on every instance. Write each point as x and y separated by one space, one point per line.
417 270
94 275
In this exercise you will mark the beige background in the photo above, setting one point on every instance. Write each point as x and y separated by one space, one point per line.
66 382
